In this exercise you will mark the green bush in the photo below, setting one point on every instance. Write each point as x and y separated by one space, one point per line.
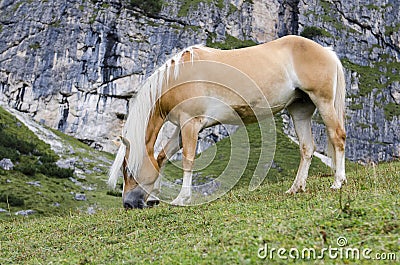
229 43
27 169
19 144
148 6
52 170
114 193
13 142
391 110
12 200
9 153
48 158
311 32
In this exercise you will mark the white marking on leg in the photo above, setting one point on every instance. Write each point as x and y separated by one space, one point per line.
185 194
340 174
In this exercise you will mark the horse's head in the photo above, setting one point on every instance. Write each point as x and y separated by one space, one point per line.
135 195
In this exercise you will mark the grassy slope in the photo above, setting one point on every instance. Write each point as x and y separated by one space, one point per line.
13 184
229 230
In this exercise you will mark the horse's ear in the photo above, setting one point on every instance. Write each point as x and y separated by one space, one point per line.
127 144
125 141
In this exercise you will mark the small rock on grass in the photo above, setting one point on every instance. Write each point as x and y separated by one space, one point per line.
80 197
25 212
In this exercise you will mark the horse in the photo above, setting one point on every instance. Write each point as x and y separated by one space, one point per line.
292 73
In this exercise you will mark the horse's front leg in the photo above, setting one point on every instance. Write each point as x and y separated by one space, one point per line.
173 146
141 183
189 131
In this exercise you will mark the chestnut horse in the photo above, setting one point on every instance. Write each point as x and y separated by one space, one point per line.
291 72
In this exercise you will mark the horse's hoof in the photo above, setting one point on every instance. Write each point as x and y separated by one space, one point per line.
291 191
152 203
338 184
294 190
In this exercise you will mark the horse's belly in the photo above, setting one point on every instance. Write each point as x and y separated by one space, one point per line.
219 104
235 114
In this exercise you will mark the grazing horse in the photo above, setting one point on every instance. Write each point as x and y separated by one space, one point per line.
291 72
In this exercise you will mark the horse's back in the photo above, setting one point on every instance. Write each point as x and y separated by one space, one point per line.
277 68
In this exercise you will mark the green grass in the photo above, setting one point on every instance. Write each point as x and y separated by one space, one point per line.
230 230
16 138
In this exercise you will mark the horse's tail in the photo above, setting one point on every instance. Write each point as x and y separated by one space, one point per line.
116 166
340 97
339 103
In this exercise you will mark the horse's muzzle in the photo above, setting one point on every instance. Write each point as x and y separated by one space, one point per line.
135 199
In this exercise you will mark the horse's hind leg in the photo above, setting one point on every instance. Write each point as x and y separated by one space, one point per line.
301 112
189 130
337 138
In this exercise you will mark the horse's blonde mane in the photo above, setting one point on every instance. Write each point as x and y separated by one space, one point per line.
140 109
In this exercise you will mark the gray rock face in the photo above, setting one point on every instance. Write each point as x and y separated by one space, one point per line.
73 65
366 36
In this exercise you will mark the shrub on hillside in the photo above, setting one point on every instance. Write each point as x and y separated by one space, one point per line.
48 169
312 32
148 6
48 158
21 145
6 152
13 142
12 200
27 169
52 170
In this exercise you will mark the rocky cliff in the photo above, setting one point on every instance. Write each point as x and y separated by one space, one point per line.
366 36
73 65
